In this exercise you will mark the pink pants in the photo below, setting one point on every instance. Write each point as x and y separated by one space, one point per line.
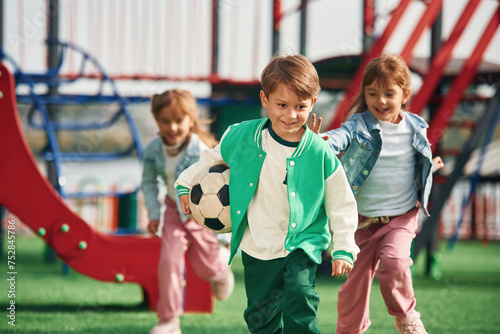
202 249
385 251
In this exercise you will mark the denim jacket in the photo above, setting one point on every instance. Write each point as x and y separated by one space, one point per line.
154 166
360 140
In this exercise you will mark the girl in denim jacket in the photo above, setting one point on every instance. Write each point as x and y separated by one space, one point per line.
388 162
180 143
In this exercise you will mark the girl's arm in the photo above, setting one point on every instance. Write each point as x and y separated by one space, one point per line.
438 163
149 186
315 125
338 139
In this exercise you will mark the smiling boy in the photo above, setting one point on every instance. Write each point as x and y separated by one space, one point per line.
285 184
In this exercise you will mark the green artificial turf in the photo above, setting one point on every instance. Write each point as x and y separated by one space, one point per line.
465 300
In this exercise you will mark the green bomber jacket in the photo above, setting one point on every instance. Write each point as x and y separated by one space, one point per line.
317 188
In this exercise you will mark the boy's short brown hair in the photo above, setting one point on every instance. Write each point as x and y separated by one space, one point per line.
295 71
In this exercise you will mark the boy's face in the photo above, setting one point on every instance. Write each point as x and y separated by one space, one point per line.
287 112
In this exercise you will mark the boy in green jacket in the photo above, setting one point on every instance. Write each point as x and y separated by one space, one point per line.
284 184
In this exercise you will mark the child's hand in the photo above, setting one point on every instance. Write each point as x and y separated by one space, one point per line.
184 199
153 226
340 267
315 125
438 163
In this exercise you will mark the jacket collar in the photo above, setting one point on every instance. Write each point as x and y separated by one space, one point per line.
416 122
303 144
370 121
191 149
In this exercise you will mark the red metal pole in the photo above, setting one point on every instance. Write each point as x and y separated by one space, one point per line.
375 51
427 19
303 26
368 23
447 108
441 58
277 15
215 40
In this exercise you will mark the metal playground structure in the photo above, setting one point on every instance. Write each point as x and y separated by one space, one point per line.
115 44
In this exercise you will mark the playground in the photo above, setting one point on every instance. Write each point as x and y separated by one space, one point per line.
74 120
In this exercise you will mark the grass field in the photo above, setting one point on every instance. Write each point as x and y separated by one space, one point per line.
465 300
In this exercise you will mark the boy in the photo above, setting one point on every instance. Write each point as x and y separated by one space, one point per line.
284 184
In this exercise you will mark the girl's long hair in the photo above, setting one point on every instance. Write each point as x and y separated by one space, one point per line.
183 101
382 70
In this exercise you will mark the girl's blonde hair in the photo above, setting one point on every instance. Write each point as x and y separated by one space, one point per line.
182 100
382 70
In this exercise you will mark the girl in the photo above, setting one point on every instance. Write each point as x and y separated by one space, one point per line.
180 142
388 162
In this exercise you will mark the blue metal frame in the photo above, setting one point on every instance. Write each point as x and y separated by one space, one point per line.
51 78
40 105
476 176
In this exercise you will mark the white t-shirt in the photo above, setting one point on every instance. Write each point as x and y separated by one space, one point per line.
269 211
170 167
389 189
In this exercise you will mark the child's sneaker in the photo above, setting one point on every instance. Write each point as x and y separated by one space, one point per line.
170 327
410 327
223 289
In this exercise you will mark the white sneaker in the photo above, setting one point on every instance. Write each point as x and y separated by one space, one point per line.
171 327
414 326
223 289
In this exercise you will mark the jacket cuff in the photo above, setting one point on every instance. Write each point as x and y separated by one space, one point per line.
342 255
182 190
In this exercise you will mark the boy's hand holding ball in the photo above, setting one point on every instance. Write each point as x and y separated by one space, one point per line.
184 199
340 267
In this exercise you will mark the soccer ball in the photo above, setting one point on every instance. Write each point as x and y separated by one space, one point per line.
209 199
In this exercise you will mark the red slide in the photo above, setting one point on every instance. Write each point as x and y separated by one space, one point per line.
29 195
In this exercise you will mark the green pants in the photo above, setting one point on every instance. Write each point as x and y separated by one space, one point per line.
280 293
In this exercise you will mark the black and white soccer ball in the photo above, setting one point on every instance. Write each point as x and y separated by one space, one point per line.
209 199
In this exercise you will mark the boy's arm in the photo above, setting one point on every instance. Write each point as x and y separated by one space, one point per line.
341 267
342 211
207 158
184 181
